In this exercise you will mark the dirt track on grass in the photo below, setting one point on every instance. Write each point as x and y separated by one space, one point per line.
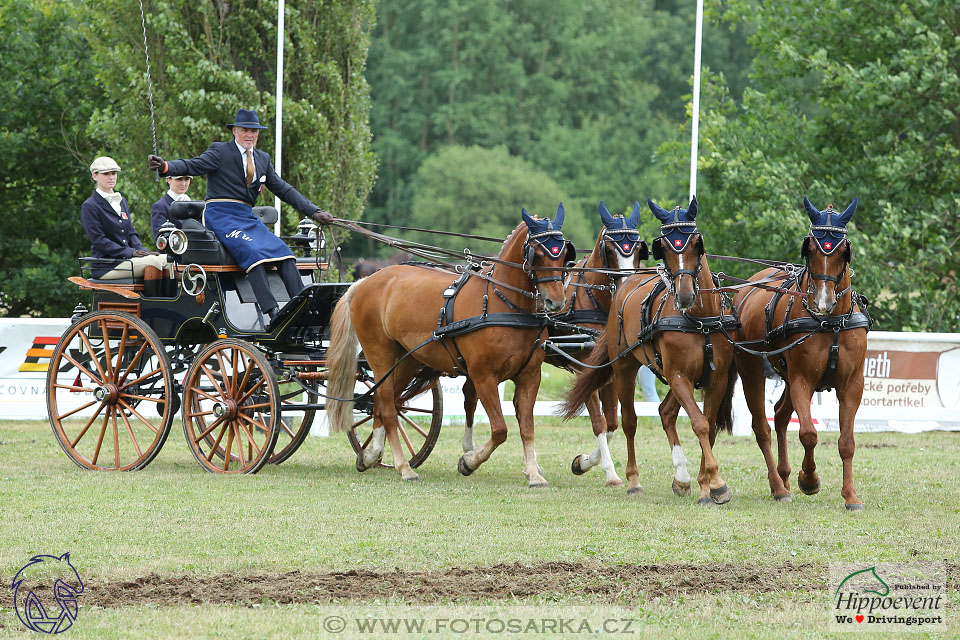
618 583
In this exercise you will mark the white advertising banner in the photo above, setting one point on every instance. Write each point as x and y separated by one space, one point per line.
26 345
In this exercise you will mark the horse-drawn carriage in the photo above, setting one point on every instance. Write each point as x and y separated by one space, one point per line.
249 388
194 342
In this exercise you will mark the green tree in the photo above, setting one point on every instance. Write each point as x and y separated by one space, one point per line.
849 99
481 191
48 96
209 59
584 92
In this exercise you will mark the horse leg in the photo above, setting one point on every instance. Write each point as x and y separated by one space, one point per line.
713 489
469 410
486 389
608 400
526 385
624 383
669 410
601 454
754 390
782 413
807 479
385 411
849 397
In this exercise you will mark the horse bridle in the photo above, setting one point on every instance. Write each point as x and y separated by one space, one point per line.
529 248
811 291
670 277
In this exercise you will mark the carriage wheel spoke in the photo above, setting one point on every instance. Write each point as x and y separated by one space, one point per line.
233 368
227 382
283 423
140 417
132 364
360 422
70 387
140 379
67 415
79 366
107 355
203 393
216 443
132 437
250 439
251 391
226 458
209 429
73 445
93 357
213 378
246 375
243 460
116 439
406 438
416 410
261 425
121 347
200 413
414 425
367 441
103 431
143 398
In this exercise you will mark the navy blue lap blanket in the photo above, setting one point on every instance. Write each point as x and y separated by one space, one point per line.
247 239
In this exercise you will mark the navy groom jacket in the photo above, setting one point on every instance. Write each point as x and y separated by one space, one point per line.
111 235
160 213
226 174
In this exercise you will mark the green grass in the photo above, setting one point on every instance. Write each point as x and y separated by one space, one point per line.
316 513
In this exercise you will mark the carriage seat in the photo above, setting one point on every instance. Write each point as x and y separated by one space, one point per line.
203 247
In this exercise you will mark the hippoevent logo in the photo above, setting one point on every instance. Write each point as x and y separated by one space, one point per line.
39 354
45 593
888 597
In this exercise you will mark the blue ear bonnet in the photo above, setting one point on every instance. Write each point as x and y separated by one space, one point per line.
546 233
828 228
622 231
676 226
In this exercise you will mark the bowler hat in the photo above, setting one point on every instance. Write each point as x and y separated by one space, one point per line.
246 118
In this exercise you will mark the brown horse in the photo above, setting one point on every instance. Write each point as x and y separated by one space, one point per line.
821 317
675 341
589 292
489 330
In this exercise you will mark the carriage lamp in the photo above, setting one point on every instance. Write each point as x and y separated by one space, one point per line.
177 242
78 312
306 232
163 235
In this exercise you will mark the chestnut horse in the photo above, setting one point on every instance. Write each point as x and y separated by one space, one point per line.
817 344
590 289
488 330
675 341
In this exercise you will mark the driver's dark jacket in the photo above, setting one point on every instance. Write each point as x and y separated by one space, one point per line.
111 235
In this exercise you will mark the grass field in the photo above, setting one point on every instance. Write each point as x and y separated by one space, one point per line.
156 547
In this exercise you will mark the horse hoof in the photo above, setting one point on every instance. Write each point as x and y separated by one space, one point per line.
855 506
706 501
361 467
575 466
784 498
463 468
810 489
635 491
616 482
721 495
413 478
538 485
681 489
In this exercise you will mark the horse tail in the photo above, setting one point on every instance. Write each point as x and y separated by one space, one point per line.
342 364
725 412
588 380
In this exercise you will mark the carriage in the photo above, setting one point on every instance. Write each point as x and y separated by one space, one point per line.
195 343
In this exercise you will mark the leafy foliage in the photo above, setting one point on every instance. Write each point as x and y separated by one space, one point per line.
850 99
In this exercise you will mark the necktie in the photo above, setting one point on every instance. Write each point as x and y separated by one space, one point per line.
113 198
250 170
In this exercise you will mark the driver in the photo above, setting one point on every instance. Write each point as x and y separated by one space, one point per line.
236 174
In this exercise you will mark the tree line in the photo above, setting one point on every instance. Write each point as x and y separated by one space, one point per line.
453 115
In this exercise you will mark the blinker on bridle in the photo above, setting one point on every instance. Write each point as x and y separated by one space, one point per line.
539 239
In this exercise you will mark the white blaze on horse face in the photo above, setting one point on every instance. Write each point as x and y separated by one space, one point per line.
680 465
823 300
624 263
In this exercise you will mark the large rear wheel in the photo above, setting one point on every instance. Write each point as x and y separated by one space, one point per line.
108 387
231 402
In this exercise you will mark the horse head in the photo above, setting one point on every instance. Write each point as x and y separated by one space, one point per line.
680 247
619 244
57 575
826 250
545 252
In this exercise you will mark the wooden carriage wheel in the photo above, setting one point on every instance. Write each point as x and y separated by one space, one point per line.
107 389
419 426
231 395
294 426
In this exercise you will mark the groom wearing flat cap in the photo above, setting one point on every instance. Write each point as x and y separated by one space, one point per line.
236 173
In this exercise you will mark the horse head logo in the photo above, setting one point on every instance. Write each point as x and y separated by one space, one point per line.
862 580
44 582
